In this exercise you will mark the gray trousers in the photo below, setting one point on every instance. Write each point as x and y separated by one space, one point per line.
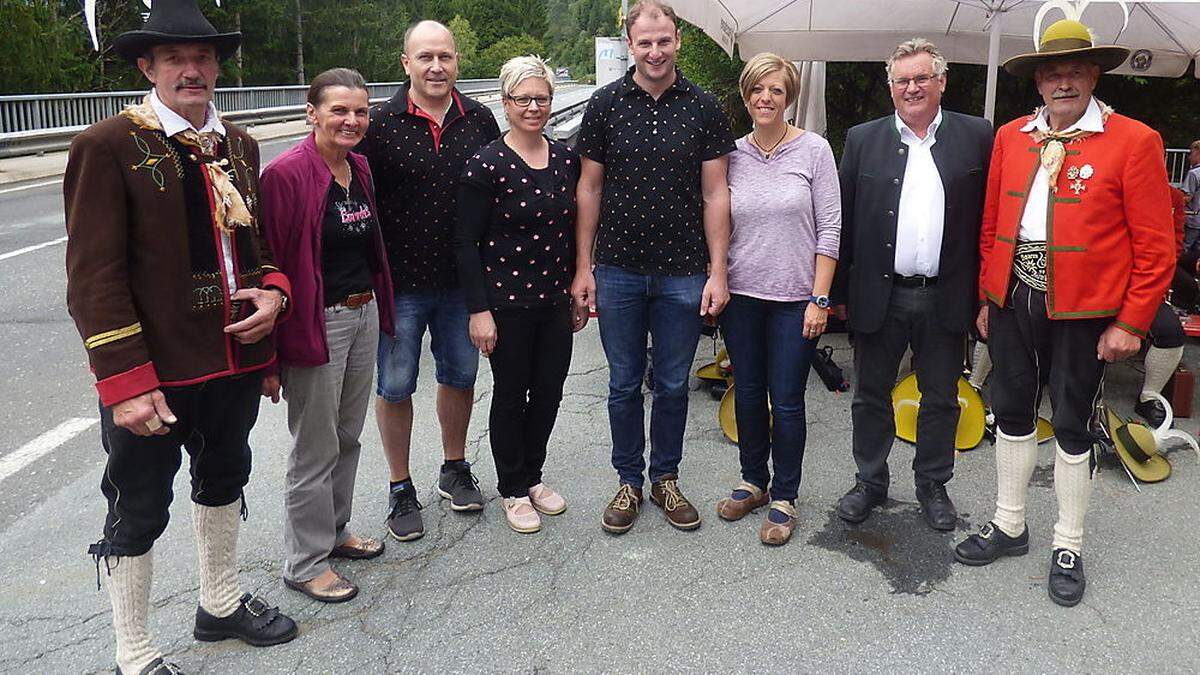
326 408
912 319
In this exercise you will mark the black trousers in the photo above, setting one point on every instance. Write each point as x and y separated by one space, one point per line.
529 366
1032 354
1166 332
215 418
913 318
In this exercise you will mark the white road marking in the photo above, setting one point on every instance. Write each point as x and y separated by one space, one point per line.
35 449
31 186
29 249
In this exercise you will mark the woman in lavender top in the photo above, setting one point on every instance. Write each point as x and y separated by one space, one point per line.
786 217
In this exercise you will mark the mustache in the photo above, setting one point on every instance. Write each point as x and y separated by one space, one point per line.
191 82
1065 94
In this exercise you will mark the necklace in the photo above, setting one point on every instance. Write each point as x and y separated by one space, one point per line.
349 179
768 151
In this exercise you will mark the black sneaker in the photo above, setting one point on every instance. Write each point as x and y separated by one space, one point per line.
1152 411
990 545
857 504
460 486
1066 581
404 513
253 622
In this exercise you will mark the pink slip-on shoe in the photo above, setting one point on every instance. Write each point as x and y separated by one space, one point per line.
546 500
521 515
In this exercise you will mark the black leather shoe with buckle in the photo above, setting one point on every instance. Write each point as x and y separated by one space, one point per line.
936 506
1066 581
253 622
990 545
157 667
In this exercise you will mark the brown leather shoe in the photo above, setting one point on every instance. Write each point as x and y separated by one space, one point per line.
367 548
622 511
777 534
341 590
731 508
679 511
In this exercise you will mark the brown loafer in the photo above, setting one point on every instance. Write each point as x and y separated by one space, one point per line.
731 508
679 511
341 590
777 534
367 548
622 511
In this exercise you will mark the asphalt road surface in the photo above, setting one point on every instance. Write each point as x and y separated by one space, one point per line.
471 596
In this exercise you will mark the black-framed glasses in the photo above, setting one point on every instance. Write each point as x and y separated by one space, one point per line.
903 82
525 101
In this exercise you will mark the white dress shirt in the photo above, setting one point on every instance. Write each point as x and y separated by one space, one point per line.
1033 220
173 123
922 213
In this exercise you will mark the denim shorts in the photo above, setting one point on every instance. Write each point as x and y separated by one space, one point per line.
444 312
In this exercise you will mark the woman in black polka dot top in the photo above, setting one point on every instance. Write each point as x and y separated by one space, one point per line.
516 256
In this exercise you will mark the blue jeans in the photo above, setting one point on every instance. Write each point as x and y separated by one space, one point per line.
631 305
445 313
769 358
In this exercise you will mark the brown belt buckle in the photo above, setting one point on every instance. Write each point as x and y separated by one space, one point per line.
357 300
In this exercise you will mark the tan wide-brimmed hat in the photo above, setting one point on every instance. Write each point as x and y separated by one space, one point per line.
1137 448
1064 40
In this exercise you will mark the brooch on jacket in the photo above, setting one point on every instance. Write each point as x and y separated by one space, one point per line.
1054 146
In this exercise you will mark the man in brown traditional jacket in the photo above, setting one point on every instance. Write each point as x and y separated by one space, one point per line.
174 293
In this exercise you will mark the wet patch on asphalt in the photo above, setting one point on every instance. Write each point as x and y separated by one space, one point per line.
896 541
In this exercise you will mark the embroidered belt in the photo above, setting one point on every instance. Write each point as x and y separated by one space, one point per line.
1029 264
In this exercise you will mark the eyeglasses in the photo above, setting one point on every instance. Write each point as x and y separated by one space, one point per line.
903 82
524 101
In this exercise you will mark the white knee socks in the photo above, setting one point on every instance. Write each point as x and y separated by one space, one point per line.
1015 459
1160 364
216 544
1073 485
129 590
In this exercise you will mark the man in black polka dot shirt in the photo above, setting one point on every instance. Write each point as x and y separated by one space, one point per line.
654 206
417 145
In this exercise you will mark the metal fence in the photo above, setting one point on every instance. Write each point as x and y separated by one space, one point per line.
38 112
1177 165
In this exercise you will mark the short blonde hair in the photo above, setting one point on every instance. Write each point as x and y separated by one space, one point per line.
520 68
918 46
762 65
1194 146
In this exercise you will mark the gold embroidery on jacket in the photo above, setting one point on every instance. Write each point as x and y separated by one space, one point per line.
101 339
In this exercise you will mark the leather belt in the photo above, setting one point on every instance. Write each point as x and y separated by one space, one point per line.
915 281
355 300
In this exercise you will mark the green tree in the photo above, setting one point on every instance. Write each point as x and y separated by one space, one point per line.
491 58
705 63
467 42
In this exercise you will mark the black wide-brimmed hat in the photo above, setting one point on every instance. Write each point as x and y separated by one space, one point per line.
175 22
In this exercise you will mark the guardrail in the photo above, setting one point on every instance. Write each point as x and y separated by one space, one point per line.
34 112
37 141
566 108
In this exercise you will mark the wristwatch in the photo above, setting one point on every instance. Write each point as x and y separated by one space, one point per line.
821 301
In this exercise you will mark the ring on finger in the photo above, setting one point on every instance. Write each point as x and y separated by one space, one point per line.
154 423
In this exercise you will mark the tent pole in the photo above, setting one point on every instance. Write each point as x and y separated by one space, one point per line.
989 97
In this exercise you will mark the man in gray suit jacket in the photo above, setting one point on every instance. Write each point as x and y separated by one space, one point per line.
913 185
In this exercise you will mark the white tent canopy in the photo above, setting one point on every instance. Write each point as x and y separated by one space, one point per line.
1165 35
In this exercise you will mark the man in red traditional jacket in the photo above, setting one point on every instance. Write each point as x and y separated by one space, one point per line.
1076 251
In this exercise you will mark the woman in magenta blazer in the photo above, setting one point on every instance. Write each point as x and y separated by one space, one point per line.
319 215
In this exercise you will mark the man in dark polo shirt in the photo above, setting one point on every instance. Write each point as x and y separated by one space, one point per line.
417 144
654 203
